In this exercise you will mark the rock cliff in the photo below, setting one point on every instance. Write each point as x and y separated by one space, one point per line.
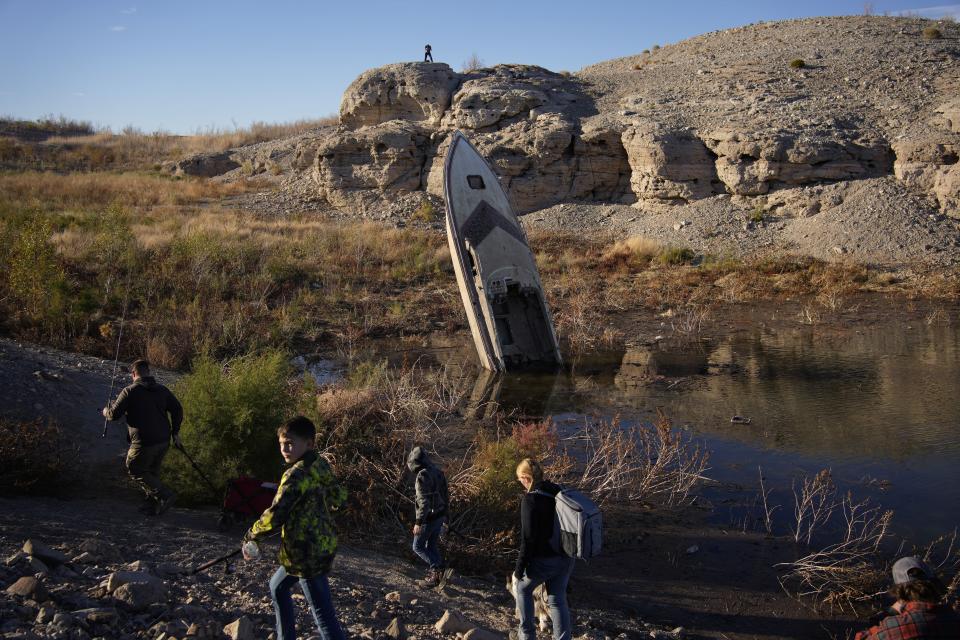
751 111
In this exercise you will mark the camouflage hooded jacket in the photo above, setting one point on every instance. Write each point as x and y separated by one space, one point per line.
301 510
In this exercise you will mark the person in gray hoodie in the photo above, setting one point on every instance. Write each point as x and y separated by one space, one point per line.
432 499
153 417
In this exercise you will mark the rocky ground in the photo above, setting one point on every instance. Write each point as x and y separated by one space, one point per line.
98 569
875 221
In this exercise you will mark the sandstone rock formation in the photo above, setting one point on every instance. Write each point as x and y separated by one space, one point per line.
413 92
690 121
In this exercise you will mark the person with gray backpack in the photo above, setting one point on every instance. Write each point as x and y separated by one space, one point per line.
557 526
432 499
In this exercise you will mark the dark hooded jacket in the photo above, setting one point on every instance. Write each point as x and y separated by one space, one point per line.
537 517
431 486
153 412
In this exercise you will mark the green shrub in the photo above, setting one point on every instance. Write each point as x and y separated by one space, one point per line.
676 255
426 212
498 486
797 63
756 215
932 33
231 414
32 274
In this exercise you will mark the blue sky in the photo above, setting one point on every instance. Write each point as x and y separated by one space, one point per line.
185 66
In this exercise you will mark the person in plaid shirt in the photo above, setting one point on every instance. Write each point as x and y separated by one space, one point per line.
918 614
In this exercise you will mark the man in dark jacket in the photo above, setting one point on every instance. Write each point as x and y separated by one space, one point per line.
153 417
431 512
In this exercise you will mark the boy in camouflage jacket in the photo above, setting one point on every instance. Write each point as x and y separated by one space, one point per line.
308 543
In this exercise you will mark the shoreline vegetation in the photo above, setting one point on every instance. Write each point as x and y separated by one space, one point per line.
198 276
104 245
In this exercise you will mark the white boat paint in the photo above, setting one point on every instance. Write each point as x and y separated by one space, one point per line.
496 271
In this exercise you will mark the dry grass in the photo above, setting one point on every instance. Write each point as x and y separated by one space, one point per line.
160 145
53 191
132 149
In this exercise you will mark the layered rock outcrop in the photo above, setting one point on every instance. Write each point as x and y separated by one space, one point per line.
525 119
685 123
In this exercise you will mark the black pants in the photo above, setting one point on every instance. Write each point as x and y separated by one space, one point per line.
428 55
143 465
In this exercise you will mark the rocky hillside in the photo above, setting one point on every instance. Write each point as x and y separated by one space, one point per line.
783 118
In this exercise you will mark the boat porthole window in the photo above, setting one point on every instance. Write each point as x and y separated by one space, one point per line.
476 182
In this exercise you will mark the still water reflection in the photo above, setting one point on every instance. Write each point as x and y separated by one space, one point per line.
880 406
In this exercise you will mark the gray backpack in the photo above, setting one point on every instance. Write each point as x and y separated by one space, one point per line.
577 526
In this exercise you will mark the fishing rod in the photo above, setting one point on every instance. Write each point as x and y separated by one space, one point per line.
116 357
196 468
215 561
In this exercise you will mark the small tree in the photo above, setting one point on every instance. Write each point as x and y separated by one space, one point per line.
231 414
473 63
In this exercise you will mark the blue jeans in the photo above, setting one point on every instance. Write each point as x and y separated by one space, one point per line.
427 543
554 572
316 590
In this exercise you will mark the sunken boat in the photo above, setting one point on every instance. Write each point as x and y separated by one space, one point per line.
496 271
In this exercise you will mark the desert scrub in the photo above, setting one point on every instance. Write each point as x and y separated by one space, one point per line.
797 63
932 33
426 212
214 280
675 255
34 281
630 254
231 414
756 214
46 191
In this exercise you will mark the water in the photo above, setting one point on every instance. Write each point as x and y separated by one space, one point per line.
878 405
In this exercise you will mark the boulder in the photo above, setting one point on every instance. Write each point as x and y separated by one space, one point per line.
416 92
206 165
401 597
50 557
120 578
452 622
28 587
478 633
140 595
100 550
396 629
241 629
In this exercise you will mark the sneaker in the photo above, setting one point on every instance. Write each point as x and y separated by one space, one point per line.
432 579
166 503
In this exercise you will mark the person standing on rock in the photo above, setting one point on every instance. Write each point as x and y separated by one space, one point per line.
427 53
308 542
539 562
432 498
153 417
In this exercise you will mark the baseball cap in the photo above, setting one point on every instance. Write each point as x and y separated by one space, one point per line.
909 569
